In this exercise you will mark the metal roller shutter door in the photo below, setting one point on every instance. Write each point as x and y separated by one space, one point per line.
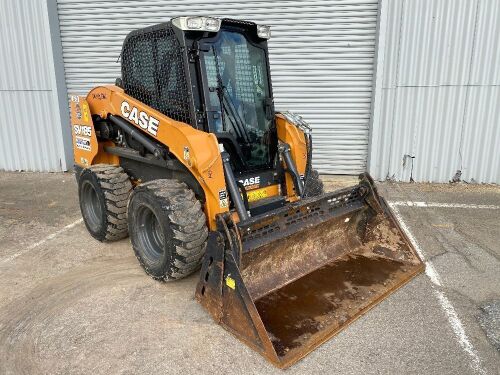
322 59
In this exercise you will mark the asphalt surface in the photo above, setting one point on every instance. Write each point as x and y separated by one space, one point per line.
69 304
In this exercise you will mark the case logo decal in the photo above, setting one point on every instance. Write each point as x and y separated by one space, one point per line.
140 118
251 182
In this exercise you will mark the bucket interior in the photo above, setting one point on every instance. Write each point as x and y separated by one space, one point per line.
309 285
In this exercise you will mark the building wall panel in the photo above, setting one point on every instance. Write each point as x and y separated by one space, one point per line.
30 131
480 156
436 101
321 52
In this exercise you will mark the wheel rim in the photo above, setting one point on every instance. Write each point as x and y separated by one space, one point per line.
149 233
92 209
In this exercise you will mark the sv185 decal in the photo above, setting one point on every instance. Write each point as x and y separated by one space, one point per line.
83 130
140 118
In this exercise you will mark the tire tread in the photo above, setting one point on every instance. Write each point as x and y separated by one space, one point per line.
188 225
116 186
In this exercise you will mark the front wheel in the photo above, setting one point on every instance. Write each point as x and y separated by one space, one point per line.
167 228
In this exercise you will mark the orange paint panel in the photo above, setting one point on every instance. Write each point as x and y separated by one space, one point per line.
85 145
289 133
197 150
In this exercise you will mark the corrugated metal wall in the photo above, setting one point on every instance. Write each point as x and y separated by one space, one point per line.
322 54
30 130
437 101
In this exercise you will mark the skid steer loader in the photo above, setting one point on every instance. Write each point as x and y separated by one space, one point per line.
186 154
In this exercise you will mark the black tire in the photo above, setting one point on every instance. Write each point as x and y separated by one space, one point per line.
167 229
104 191
314 186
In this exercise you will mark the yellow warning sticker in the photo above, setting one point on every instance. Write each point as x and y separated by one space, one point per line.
230 282
85 113
255 195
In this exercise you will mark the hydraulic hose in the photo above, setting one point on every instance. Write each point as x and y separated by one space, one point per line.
232 186
284 150
136 134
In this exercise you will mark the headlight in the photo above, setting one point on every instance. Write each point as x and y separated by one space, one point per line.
263 31
197 23
194 23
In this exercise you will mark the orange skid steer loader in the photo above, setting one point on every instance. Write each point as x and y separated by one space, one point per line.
187 156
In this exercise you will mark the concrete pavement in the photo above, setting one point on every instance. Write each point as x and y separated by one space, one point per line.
69 304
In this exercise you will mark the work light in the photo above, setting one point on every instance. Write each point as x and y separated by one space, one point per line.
263 31
297 120
197 23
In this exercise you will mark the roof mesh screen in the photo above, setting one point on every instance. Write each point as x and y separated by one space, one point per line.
153 73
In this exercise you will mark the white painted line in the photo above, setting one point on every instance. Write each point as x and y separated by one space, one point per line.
430 271
41 242
444 205
451 314
458 329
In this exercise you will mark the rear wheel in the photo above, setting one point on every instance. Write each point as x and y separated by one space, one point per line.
314 185
167 228
103 191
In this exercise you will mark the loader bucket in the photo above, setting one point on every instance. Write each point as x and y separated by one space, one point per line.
286 281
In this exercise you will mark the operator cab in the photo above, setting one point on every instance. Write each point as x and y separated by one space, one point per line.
212 74
237 95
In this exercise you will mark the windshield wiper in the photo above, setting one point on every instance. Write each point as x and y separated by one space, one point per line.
222 93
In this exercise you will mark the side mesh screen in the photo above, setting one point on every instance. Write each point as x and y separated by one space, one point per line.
153 73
